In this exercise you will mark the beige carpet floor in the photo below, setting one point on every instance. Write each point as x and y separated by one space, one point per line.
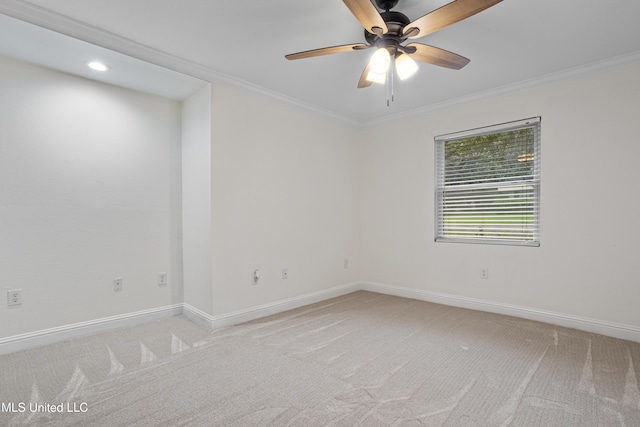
363 359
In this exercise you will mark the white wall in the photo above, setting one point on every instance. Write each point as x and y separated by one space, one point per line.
89 191
285 186
585 266
196 200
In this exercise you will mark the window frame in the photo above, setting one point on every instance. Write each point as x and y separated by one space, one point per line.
442 190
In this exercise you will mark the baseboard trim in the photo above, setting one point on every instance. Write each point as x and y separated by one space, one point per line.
76 330
252 313
611 329
197 316
61 333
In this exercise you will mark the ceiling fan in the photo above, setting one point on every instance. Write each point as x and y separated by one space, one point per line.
388 30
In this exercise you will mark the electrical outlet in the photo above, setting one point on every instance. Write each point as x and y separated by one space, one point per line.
14 297
484 273
162 279
256 276
285 274
346 263
117 284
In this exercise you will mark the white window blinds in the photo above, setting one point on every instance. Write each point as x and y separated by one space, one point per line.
488 184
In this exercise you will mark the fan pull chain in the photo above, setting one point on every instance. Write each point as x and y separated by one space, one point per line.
392 81
390 94
388 87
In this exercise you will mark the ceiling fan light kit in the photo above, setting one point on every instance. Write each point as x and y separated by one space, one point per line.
374 77
405 66
380 61
387 31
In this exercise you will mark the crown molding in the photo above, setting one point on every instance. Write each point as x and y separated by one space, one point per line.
45 18
517 87
53 21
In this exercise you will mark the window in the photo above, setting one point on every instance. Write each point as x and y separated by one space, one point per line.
488 185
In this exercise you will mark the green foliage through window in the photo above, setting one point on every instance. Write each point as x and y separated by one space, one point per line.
488 184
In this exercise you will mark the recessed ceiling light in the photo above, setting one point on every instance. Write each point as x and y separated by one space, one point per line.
97 66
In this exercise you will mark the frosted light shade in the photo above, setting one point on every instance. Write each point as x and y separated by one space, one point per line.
374 77
380 61
405 66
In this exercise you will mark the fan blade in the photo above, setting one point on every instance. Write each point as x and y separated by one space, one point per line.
437 56
446 15
327 51
368 15
363 78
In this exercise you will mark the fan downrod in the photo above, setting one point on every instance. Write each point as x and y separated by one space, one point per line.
386 4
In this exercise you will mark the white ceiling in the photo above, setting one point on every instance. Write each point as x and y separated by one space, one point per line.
512 46
60 52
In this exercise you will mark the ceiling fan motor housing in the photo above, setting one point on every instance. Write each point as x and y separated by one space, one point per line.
386 4
396 22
